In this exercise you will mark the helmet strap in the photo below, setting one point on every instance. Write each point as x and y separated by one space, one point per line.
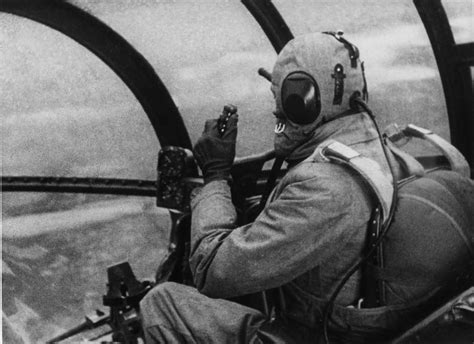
338 77
353 50
365 91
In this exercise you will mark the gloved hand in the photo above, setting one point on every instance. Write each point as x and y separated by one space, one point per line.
214 153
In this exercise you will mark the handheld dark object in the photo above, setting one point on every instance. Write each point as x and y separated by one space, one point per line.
228 111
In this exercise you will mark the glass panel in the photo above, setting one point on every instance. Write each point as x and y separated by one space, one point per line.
55 260
460 15
64 112
207 53
402 75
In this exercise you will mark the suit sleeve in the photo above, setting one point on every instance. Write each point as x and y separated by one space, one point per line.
298 230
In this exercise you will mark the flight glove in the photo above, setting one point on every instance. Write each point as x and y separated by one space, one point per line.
215 153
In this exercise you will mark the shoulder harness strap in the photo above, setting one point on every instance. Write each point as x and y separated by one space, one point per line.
381 190
368 169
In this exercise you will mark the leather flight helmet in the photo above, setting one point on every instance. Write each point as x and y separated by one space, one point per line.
315 76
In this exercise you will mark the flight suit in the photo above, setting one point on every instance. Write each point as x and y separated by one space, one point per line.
310 232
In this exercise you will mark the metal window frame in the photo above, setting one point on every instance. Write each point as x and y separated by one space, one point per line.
454 62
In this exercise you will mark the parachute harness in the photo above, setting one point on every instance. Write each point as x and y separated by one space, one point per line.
355 102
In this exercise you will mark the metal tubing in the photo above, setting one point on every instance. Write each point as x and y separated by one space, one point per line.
131 187
271 22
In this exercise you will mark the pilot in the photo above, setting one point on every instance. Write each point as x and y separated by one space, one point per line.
311 231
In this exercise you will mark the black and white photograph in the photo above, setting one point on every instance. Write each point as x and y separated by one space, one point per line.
237 171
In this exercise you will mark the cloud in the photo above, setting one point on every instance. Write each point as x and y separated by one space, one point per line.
93 213
382 51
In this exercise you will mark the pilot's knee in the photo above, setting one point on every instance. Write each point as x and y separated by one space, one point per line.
157 299
158 295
